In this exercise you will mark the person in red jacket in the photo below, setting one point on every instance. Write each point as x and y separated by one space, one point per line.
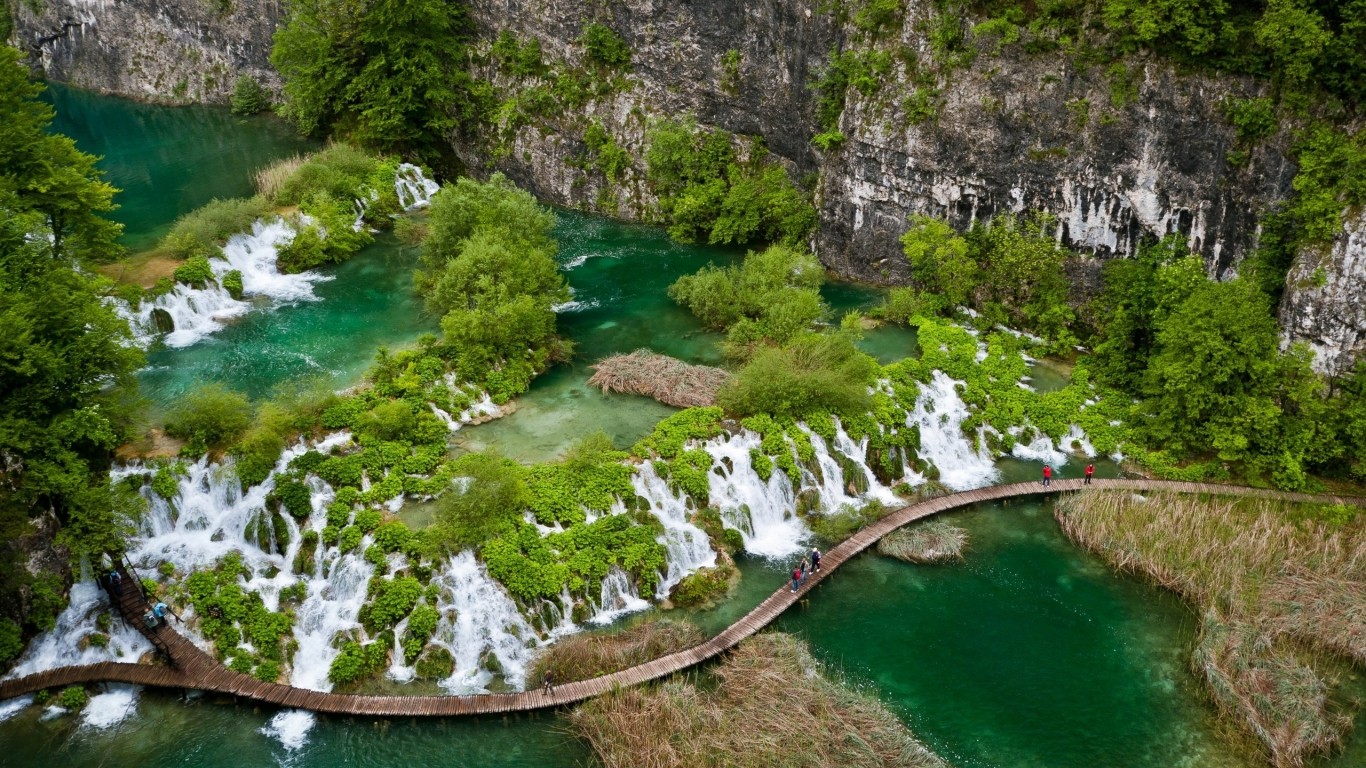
1090 470
796 578
1047 475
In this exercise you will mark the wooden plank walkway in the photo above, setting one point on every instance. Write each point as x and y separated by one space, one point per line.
190 667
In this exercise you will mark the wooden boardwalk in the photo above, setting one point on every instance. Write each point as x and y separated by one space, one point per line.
190 667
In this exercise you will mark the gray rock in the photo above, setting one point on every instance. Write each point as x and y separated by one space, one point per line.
1325 299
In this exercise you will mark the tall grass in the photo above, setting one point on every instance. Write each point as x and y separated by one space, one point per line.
1282 592
271 179
771 704
580 657
928 542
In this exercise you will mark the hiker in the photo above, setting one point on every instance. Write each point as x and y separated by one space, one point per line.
160 611
815 559
796 578
806 569
1090 470
1047 475
116 582
548 684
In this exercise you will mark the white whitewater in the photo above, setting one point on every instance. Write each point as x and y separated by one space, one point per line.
687 545
414 189
940 412
617 598
764 512
290 728
478 620
68 644
199 312
858 452
108 709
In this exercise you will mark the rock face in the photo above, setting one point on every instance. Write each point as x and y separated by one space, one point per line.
1323 304
181 51
1113 152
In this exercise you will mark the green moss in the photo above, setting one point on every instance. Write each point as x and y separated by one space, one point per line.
669 435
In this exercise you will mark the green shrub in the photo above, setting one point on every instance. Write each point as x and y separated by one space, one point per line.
209 417
777 289
11 641
700 588
73 697
489 504
605 47
195 272
518 59
267 671
294 496
357 662
232 283
248 97
201 232
166 480
435 664
813 373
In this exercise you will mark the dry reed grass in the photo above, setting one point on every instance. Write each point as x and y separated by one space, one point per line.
931 541
1282 591
580 657
772 705
271 179
666 379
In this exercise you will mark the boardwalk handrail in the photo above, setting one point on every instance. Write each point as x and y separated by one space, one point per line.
193 668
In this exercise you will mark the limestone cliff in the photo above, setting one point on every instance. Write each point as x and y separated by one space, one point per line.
1114 150
176 51
1325 299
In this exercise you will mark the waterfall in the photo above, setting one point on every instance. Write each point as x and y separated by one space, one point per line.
617 598
940 412
199 312
687 545
290 728
830 486
763 512
479 620
857 452
68 643
414 189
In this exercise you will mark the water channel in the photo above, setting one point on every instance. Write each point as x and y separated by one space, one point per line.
1028 653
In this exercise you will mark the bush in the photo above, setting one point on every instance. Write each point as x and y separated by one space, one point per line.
202 231
814 373
491 501
778 290
11 641
209 417
700 588
605 47
248 97
73 697
356 662
232 283
195 272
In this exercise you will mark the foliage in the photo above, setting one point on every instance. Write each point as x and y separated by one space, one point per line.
488 269
73 697
389 601
700 587
533 566
489 504
518 59
195 272
232 283
939 259
199 234
669 435
388 74
50 186
230 615
248 97
357 662
705 189
813 372
605 47
771 296
607 156
166 480
66 371
209 417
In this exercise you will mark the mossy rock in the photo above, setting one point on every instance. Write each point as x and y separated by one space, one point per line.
162 321
435 663
808 502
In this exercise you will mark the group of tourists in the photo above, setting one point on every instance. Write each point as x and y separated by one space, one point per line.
807 567
1048 474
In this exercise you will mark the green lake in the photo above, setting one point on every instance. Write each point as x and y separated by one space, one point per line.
1029 653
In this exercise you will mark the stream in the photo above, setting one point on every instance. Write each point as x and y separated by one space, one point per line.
1029 653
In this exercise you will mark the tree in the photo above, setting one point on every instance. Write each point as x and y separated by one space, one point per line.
939 259
489 500
67 358
387 72
46 174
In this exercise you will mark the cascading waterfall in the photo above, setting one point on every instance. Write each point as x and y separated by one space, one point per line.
68 643
199 312
940 412
764 512
414 189
687 545
857 452
479 621
617 598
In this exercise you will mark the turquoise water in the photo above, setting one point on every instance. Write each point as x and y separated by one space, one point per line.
1029 653
169 161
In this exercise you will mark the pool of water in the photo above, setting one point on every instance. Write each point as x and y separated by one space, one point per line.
169 161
